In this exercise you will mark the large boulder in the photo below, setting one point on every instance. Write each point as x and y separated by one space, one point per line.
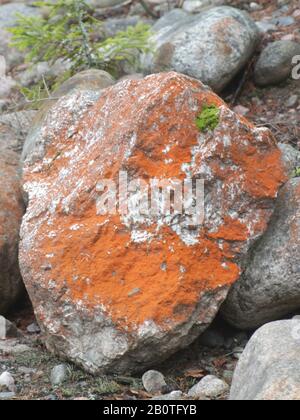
11 212
13 128
269 368
275 63
212 46
270 286
120 291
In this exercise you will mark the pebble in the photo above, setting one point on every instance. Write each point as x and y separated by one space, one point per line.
7 395
284 21
296 13
289 37
154 381
292 102
237 352
255 6
240 109
7 381
8 329
210 387
33 328
265 26
174 395
59 374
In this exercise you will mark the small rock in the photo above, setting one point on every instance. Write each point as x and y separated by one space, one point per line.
8 329
240 109
7 395
210 386
196 6
265 26
296 13
175 395
7 381
103 4
292 101
26 371
284 21
33 328
289 37
172 18
154 381
59 374
227 376
114 25
237 352
255 6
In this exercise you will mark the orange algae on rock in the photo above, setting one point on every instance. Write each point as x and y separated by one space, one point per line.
152 282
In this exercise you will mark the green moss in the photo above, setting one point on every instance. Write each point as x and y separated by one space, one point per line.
296 173
208 119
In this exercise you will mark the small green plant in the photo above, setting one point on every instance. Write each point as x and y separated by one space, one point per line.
296 173
69 31
208 119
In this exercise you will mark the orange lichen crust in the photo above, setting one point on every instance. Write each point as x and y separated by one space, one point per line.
147 128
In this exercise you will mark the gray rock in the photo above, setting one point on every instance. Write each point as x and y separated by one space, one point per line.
270 285
114 25
14 128
13 347
33 328
196 6
59 375
7 84
8 18
7 395
290 157
265 26
284 21
90 81
269 368
171 19
102 4
154 381
292 101
275 63
212 46
210 387
8 329
7 381
35 73
255 6
11 213
172 396
9 12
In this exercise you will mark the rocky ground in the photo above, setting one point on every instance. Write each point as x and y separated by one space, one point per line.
35 373
28 361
